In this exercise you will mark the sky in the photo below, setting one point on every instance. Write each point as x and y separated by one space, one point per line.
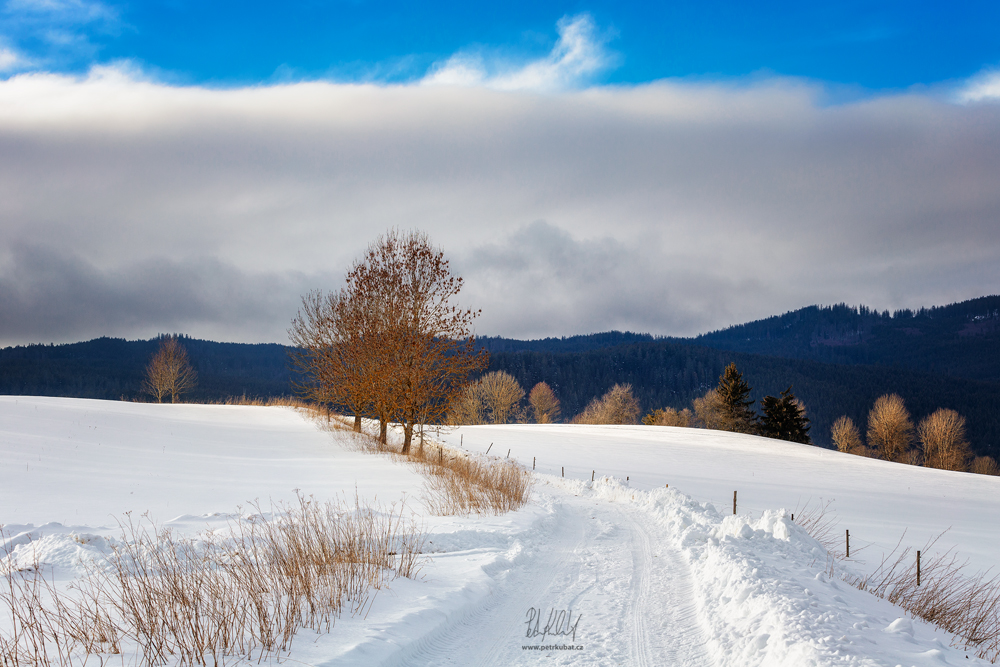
670 168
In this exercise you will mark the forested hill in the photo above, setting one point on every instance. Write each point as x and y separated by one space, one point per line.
583 343
114 368
961 340
837 359
665 373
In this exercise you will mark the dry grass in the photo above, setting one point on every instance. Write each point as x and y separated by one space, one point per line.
463 485
211 599
966 605
286 401
457 483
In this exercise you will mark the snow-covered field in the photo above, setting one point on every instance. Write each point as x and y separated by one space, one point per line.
652 575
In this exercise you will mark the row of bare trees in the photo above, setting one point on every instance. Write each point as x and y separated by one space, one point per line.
938 441
390 344
496 397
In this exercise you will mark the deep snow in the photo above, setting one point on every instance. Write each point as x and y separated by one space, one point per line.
653 576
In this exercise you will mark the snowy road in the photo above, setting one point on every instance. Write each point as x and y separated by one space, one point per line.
622 599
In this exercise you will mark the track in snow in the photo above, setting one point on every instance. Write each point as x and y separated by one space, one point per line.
608 563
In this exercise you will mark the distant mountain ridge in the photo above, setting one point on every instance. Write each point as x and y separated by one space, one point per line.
960 340
838 360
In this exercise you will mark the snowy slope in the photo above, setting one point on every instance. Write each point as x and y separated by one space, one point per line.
653 576
877 501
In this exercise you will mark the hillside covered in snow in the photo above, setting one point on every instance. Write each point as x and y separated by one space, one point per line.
628 553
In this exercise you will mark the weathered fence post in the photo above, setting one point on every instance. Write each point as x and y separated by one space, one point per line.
734 502
592 472
532 462
564 471
918 568
847 536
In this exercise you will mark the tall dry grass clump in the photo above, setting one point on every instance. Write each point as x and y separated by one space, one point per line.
464 485
890 430
215 598
457 483
967 606
617 406
942 436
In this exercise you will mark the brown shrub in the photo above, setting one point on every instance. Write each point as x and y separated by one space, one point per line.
669 417
984 465
890 431
942 435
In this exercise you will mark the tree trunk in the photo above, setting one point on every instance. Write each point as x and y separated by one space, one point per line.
357 423
383 430
407 436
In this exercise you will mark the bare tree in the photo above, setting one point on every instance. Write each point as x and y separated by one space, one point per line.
467 409
942 435
390 343
710 412
890 431
544 404
501 397
617 406
846 437
337 356
169 372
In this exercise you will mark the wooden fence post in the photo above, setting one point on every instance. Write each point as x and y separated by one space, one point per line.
734 502
847 536
918 568
532 462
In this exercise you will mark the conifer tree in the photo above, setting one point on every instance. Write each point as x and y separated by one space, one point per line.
734 395
784 419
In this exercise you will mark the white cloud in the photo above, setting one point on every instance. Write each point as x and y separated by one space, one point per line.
578 55
982 87
10 60
671 208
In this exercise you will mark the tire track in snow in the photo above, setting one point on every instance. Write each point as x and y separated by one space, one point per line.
664 592
641 562
489 632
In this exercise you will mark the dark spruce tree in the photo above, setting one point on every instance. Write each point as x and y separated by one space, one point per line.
734 393
784 419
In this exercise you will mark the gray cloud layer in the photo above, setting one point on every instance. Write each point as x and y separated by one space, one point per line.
129 207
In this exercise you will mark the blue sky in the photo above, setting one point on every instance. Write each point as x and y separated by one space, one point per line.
869 45
671 168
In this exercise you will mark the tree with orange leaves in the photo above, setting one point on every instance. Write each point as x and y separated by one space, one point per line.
391 343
